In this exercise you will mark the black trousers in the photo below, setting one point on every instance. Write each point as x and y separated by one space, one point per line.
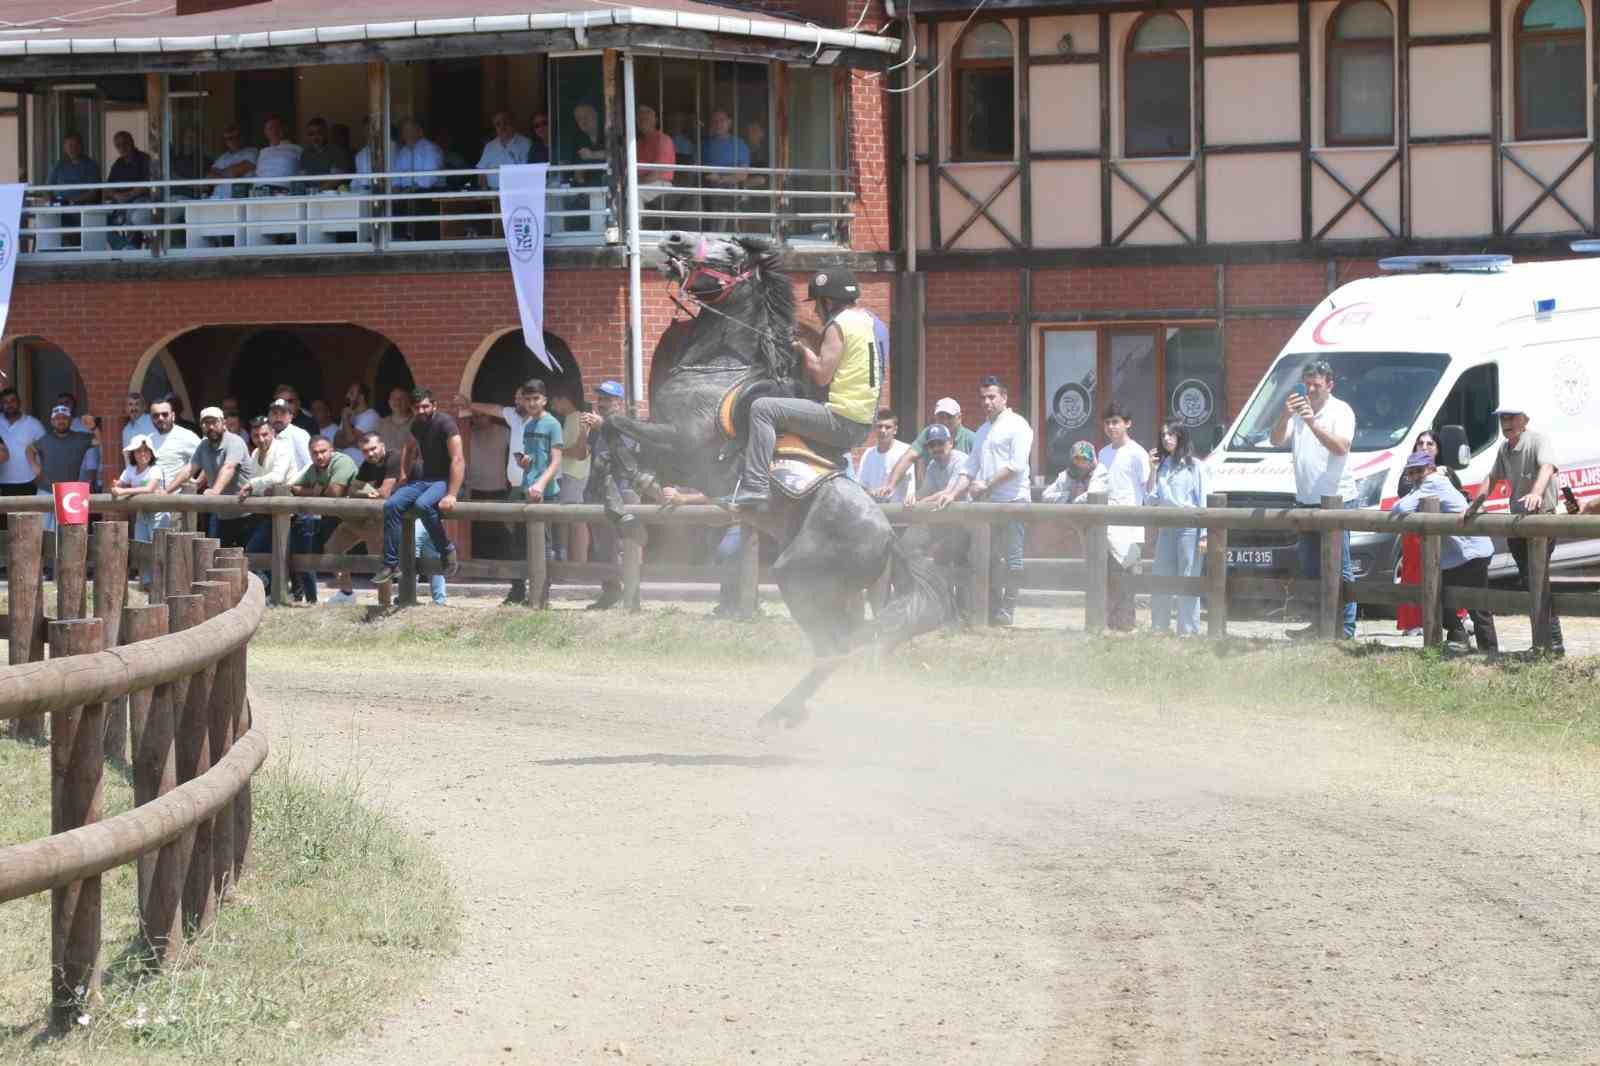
1519 552
1470 575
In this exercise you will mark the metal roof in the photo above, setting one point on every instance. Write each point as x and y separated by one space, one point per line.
142 27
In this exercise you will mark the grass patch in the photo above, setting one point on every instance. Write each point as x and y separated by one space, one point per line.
339 913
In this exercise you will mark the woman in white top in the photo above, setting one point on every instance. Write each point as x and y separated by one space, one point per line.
140 477
1179 481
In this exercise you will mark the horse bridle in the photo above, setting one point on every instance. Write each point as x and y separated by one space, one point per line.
725 282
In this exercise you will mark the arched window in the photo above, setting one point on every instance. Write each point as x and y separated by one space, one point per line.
983 94
1360 83
1552 76
1156 80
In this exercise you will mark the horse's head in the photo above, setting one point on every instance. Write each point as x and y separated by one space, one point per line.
711 269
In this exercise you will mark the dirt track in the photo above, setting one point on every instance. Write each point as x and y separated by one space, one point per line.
947 876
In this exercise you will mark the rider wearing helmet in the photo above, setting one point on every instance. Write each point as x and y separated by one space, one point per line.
846 365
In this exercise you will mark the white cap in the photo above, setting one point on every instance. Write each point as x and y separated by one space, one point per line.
141 441
947 406
211 412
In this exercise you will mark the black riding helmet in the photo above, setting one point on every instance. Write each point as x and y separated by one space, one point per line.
836 285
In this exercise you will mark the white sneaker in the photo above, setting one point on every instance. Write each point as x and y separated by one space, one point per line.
342 597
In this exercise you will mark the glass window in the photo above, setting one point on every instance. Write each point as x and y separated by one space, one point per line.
1471 404
1071 362
1386 389
1552 77
1196 384
1360 79
1156 87
1135 381
983 94
813 145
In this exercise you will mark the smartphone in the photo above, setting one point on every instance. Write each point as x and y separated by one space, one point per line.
1571 500
1299 390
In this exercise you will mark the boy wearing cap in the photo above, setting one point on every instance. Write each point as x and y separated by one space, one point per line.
1526 460
60 455
1463 560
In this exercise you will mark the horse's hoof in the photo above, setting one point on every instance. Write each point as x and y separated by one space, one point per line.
784 716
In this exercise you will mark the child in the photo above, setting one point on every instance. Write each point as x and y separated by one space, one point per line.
140 477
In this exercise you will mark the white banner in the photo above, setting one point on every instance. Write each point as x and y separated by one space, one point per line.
10 245
522 191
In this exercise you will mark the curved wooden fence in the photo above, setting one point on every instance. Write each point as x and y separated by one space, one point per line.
175 672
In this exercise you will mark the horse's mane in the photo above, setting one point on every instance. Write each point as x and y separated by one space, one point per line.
775 295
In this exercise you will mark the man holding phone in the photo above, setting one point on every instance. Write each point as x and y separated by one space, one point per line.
1319 428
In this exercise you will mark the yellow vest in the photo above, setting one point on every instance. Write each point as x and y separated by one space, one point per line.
853 392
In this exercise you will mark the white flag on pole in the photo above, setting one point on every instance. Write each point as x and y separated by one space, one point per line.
10 245
522 191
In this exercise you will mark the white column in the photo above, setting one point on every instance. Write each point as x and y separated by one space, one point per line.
635 310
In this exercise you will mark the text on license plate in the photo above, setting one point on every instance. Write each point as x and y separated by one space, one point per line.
1250 557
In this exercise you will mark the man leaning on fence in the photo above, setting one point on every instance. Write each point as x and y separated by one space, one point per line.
434 467
1319 429
219 460
62 455
1463 560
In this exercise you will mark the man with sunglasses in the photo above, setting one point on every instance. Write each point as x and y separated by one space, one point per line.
506 148
540 152
238 160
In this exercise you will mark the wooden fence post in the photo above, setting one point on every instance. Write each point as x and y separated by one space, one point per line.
534 534
1096 556
156 586
978 563
192 726
1432 583
1330 601
749 569
205 553
155 773
77 761
243 809
110 594
408 560
220 715
178 566
632 570
1217 572
72 570
1539 590
280 558
24 578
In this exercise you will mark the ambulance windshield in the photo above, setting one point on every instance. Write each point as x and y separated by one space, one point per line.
1386 390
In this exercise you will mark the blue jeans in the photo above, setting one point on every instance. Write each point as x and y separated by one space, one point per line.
1310 547
727 561
1005 564
425 497
426 550
1177 555
302 541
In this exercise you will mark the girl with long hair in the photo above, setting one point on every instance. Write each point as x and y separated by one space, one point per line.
1178 480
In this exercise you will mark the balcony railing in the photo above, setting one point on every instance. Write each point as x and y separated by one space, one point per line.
384 212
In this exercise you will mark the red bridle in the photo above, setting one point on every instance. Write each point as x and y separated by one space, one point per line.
725 282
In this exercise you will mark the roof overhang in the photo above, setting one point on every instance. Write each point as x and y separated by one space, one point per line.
640 28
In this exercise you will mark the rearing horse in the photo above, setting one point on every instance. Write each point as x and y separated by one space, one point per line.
835 539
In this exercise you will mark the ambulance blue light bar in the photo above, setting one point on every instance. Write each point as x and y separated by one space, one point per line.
1445 264
1586 247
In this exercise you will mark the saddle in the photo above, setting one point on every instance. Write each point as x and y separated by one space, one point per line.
798 467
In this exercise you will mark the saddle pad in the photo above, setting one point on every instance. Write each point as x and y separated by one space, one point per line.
798 479
790 446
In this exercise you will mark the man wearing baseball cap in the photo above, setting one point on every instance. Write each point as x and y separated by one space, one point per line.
1463 560
219 460
606 546
60 456
1526 460
946 413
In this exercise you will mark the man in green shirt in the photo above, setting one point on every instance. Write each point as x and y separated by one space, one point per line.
946 413
330 474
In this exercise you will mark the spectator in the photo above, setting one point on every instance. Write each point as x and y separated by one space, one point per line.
174 446
680 127
886 455
946 413
588 144
279 159
574 473
608 400
1408 616
1082 475
322 157
506 148
723 149
365 162
136 421
188 164
1179 480
272 458
376 479
18 435
533 456
434 466
946 545
84 424
417 158
130 166
61 455
1127 473
656 151
1318 427
437 591
1463 560
73 168
327 425
395 429
1526 460
281 414
298 414
330 475
539 152
997 471
356 420
141 475
219 460
237 160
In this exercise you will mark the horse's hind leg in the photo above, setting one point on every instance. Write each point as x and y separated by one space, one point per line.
819 605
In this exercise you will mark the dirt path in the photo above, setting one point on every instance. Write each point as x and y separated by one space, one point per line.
949 876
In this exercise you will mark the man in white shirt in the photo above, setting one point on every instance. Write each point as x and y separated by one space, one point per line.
279 159
281 415
507 148
998 471
18 457
173 445
1127 467
416 157
357 419
364 163
882 457
1319 428
135 421
237 160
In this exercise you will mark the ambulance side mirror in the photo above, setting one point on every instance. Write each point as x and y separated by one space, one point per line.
1453 449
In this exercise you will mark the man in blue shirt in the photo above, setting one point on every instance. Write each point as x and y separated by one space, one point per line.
73 168
1463 560
723 149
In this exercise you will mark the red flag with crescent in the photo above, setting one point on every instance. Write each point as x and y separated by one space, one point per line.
72 503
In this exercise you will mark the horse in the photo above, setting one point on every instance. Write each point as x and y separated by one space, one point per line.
835 541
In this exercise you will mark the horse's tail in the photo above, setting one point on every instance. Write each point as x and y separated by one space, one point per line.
922 599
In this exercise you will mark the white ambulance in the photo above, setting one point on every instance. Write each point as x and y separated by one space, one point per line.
1435 342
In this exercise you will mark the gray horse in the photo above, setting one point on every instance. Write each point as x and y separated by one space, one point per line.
835 539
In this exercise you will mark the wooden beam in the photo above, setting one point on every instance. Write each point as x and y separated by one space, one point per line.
1496 116
981 207
1550 191
1153 204
1303 21
935 223
1357 196
1403 112
1198 104
1105 129
1024 130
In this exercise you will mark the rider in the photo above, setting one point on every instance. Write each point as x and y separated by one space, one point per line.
847 366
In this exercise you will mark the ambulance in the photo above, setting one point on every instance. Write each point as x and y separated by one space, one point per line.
1434 343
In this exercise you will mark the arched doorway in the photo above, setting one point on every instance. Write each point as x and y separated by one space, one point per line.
40 372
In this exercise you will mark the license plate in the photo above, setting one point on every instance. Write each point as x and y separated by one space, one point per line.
1250 557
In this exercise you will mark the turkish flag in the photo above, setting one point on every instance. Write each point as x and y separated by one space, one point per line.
72 503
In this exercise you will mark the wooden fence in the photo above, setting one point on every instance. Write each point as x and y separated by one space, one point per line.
1218 586
175 671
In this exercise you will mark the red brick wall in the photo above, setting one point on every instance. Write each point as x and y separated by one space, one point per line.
960 356
1251 345
1276 284
1124 288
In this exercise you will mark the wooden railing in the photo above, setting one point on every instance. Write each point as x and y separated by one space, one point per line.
176 670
